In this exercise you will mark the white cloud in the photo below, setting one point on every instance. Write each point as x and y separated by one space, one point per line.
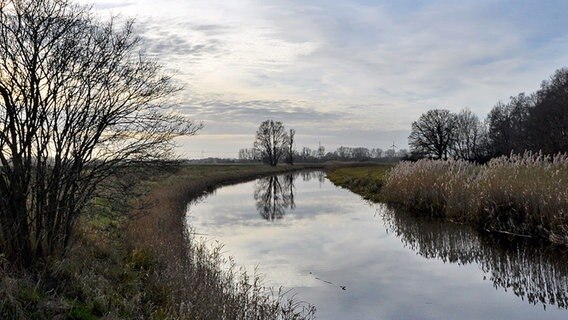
373 65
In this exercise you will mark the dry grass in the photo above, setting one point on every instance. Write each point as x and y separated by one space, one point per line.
96 278
203 284
143 265
525 195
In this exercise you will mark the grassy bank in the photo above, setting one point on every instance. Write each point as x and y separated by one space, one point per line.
366 181
520 195
131 260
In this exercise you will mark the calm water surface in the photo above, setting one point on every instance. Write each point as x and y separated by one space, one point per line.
355 260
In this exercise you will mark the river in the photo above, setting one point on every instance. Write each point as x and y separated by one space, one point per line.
356 260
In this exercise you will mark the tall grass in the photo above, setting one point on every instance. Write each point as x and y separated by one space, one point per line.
524 195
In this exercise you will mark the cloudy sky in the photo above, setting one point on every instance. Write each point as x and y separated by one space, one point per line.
352 73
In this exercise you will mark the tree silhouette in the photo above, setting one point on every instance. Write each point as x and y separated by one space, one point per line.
434 133
78 101
470 141
290 152
271 141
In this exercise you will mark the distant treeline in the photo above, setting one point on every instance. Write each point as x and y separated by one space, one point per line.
342 153
527 122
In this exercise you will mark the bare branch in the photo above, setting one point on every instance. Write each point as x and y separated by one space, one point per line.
79 101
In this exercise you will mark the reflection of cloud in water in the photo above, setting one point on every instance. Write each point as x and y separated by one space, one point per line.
332 234
537 273
274 195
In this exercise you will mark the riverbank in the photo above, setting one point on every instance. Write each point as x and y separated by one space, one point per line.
524 196
192 271
141 265
366 181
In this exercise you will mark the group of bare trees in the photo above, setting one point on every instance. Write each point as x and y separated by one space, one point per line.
440 134
78 102
536 122
342 153
273 144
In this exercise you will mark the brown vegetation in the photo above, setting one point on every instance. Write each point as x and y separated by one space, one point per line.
524 195
520 195
145 265
202 288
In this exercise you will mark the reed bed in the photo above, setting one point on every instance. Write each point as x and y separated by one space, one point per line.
524 195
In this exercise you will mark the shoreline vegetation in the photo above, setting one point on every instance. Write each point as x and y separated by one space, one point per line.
518 195
145 265
203 287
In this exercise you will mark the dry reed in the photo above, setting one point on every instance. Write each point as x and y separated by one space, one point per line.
524 195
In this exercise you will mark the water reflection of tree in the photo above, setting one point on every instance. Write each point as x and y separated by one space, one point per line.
537 273
309 175
274 195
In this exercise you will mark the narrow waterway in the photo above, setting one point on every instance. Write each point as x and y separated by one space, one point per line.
356 260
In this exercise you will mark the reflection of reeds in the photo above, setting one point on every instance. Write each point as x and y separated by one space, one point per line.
534 272
520 194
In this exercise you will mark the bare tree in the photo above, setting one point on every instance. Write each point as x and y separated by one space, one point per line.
433 133
376 153
360 153
78 102
290 152
321 152
470 136
271 141
548 119
508 124
248 154
343 152
390 153
306 153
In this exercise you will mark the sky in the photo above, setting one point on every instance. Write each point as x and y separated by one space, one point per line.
351 73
